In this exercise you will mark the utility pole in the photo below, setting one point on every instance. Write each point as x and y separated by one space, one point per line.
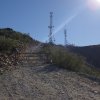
65 34
51 28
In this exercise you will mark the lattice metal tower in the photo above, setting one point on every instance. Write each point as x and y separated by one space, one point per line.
51 28
65 34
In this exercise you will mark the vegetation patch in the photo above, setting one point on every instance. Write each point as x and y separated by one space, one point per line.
63 58
12 43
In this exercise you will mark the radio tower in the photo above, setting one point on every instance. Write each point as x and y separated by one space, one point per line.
51 28
65 33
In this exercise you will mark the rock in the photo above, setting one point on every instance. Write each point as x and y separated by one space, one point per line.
96 92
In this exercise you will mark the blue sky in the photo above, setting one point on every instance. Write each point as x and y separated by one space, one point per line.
32 16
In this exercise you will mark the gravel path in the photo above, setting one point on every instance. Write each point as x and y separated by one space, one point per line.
47 83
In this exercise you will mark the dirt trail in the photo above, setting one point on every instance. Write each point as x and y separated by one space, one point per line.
46 82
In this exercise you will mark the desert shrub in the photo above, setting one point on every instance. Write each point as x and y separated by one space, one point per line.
66 59
63 58
11 39
7 44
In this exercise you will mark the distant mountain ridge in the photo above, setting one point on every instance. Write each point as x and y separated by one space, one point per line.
91 53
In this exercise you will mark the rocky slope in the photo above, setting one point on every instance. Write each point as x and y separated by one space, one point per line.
47 83
30 81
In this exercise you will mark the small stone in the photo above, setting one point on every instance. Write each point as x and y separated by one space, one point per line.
96 92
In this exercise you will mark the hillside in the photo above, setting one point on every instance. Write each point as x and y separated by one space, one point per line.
12 43
34 80
43 71
10 39
91 54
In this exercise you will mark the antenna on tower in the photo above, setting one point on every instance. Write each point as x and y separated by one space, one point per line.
51 28
65 34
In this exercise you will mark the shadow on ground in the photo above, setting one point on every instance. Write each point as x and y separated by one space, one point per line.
48 69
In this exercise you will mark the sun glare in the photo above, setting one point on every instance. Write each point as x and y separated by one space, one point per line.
94 4
98 1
